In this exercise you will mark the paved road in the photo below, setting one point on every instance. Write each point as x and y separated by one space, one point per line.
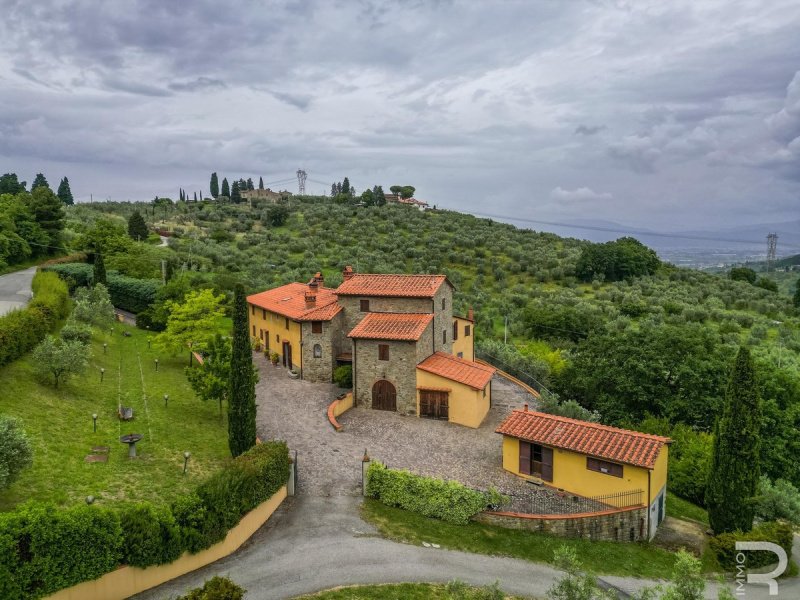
15 289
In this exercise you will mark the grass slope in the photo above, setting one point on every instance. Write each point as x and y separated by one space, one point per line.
607 558
396 591
59 424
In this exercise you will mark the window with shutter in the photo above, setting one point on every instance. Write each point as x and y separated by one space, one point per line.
364 305
455 330
466 330
524 458
603 466
383 351
316 326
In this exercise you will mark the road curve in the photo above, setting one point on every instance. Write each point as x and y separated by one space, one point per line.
15 289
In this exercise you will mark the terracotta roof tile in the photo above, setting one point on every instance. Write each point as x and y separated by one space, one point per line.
601 441
289 301
391 326
407 286
458 369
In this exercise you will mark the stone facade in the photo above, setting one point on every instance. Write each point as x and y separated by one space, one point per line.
618 525
443 319
352 307
400 370
319 369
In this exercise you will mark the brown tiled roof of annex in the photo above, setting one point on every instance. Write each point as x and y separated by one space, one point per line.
601 441
391 326
451 367
289 300
405 286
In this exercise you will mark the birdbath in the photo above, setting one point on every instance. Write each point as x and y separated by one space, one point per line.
131 440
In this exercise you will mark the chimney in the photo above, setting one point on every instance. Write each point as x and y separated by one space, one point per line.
311 293
470 314
320 279
347 273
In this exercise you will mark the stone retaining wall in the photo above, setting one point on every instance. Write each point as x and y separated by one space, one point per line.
615 525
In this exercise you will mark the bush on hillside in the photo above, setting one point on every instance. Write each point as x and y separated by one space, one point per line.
343 376
779 500
446 500
16 453
127 293
74 331
724 545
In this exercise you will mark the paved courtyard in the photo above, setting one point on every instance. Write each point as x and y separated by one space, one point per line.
329 462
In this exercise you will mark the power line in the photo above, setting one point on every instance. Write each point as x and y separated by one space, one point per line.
623 230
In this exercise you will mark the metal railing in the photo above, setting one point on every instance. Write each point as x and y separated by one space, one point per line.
511 370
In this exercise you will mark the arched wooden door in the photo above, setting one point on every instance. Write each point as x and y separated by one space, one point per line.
384 395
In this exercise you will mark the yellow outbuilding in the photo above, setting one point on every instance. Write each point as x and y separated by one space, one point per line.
625 467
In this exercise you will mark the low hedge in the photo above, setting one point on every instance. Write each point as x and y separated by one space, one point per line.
777 532
21 330
127 293
446 500
44 549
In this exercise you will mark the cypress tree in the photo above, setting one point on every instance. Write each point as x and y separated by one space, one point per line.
346 186
733 479
797 295
250 184
214 186
226 190
242 396
261 183
137 228
39 181
99 270
64 193
236 196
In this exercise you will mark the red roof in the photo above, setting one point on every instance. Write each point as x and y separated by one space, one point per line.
391 326
458 369
408 286
289 300
601 441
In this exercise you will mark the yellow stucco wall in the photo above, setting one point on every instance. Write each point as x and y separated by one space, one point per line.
275 324
127 581
466 406
570 473
464 344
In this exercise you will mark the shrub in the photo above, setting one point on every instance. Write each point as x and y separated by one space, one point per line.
779 500
76 332
152 536
343 376
93 305
21 330
127 293
446 500
59 358
724 545
216 588
15 451
44 549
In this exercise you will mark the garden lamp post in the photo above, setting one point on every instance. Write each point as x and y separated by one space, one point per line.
102 374
186 456
105 347
148 342
156 365
94 421
166 400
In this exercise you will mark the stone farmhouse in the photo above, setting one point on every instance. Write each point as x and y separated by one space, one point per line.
408 352
267 194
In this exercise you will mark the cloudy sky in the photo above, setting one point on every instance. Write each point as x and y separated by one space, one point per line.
668 115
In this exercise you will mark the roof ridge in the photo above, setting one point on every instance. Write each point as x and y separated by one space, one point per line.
594 425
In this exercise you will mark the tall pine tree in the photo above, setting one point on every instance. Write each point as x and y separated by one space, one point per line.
99 270
236 196
250 184
733 478
346 186
214 186
261 183
137 228
242 396
226 190
64 193
39 181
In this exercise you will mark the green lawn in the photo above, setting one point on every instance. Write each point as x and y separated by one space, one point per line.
59 424
397 591
607 558
683 509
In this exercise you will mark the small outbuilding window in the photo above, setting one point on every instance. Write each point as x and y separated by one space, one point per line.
317 351
603 466
383 351
316 326
364 305
467 330
455 330
444 336
444 303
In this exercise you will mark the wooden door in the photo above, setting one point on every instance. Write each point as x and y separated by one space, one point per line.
384 395
536 460
434 404
287 355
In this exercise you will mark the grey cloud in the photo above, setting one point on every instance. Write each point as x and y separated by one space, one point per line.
589 129
200 83
301 101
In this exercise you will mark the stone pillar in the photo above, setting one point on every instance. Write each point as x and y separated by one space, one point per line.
364 466
290 483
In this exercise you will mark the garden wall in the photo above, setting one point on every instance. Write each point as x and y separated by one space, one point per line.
127 581
615 525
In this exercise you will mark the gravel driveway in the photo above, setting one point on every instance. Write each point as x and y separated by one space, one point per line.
329 462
